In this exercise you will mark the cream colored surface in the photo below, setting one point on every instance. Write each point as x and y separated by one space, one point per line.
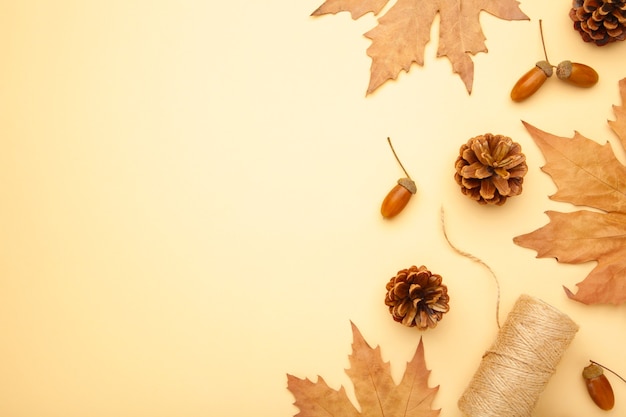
189 196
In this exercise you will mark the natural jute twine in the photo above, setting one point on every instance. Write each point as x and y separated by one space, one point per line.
517 367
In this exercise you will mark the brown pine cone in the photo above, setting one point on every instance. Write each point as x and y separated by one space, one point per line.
490 168
416 297
599 21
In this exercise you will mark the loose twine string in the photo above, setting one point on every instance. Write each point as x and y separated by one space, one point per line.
477 260
515 370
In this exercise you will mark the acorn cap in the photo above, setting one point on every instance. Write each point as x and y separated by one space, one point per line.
564 70
409 184
592 371
545 67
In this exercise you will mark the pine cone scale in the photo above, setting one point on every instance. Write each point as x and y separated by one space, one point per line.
487 190
474 170
414 293
512 161
481 151
502 185
401 290
503 174
410 316
611 25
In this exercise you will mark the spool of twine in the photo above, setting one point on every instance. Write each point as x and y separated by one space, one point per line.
515 370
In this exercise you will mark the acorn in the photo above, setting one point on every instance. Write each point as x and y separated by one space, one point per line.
580 75
399 196
598 386
530 82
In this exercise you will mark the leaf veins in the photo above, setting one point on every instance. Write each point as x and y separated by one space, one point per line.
399 39
375 390
586 174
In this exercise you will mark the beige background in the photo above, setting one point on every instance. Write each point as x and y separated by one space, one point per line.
190 193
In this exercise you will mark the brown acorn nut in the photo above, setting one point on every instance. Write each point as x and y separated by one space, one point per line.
530 82
598 386
571 72
399 196
580 75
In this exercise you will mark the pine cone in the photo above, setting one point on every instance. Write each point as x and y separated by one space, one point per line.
599 21
490 168
416 297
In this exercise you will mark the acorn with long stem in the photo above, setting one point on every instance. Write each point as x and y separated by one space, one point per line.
574 73
598 385
530 82
399 196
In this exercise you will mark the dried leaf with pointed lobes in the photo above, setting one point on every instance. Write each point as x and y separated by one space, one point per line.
375 390
584 236
399 39
619 124
357 8
586 174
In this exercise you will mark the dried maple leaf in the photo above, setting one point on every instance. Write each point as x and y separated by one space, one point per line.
586 174
403 31
375 390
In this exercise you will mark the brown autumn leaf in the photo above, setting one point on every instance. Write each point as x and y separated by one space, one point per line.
586 174
375 390
403 31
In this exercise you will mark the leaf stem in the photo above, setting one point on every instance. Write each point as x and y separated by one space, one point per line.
398 159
